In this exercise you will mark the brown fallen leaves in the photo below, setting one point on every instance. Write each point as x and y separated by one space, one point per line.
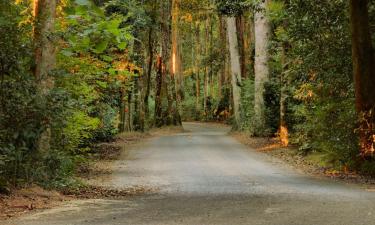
24 200
97 192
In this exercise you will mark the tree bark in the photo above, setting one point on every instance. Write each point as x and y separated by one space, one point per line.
262 36
197 73
147 80
176 71
240 23
45 51
364 74
235 69
45 55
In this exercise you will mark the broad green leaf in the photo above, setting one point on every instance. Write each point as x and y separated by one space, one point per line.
101 47
107 58
67 53
122 45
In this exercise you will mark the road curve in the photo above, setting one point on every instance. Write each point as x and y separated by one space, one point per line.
203 176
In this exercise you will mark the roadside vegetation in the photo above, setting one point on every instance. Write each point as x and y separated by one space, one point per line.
75 74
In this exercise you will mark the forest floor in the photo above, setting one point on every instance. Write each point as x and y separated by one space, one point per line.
205 176
92 174
313 164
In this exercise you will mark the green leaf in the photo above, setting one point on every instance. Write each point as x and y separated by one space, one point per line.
67 53
107 58
122 45
101 47
112 71
102 84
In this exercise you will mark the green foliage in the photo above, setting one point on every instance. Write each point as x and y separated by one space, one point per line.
232 7
323 114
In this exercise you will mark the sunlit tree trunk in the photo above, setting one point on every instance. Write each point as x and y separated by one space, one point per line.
364 74
45 54
235 68
262 36
176 71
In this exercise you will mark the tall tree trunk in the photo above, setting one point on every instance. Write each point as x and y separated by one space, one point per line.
45 55
45 51
240 23
147 80
262 36
176 71
122 111
205 82
284 82
235 69
158 118
197 73
364 74
223 43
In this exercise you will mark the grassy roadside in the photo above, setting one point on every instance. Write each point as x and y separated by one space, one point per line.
89 175
314 164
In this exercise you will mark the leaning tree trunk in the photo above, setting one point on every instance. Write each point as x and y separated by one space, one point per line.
261 70
364 74
235 69
45 55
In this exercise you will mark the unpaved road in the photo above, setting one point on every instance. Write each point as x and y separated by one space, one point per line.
206 177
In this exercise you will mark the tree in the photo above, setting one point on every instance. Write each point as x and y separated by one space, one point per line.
45 54
364 74
45 51
235 68
261 69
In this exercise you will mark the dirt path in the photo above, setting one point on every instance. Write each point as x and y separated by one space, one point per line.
203 176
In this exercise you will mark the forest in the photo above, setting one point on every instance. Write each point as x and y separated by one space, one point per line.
74 73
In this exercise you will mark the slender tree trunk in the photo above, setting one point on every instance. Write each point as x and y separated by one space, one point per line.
122 111
205 81
211 78
235 69
364 74
262 36
197 73
158 95
149 72
176 71
223 41
283 129
45 55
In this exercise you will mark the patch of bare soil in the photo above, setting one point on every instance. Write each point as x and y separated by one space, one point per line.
290 155
28 199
